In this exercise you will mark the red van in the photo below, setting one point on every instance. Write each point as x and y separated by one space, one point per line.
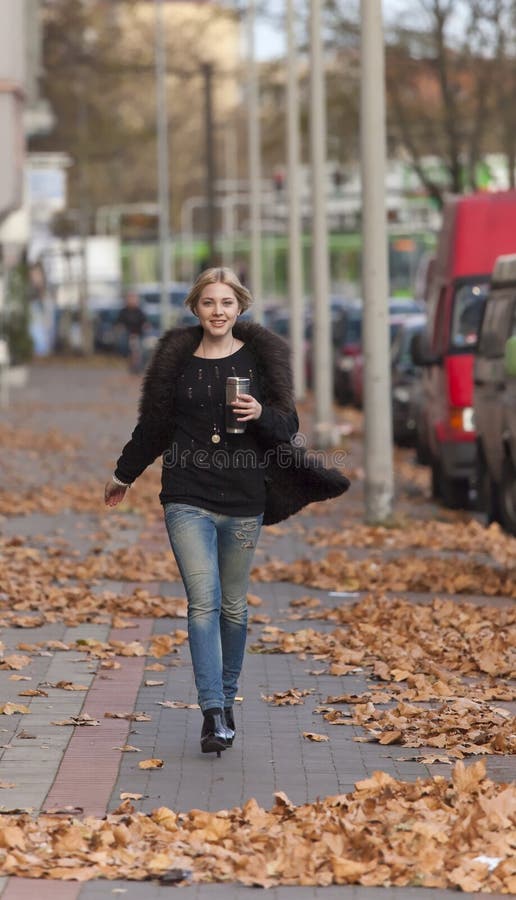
476 229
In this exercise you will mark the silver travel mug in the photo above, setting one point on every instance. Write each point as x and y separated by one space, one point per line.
235 386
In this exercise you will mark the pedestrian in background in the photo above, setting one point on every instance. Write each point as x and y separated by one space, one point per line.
221 474
134 322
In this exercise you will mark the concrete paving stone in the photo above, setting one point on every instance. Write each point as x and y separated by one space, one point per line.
152 891
269 752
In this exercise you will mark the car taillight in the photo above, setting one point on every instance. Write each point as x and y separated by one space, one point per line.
461 418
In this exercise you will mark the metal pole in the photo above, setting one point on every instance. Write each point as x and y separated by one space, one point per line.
163 179
377 389
231 172
324 435
83 223
209 134
295 261
253 132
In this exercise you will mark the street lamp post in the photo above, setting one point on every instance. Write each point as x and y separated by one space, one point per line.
377 400
254 140
320 263
163 179
295 263
209 129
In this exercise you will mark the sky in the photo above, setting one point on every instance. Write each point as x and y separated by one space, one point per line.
270 40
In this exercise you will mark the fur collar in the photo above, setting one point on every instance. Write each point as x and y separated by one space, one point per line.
176 348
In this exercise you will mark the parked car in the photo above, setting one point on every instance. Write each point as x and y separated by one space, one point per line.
495 399
150 302
476 230
405 382
400 308
508 480
106 336
347 343
280 324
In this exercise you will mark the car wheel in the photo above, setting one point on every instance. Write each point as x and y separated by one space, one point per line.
453 492
488 493
508 496
423 457
436 481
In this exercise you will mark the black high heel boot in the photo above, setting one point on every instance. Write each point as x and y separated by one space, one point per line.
230 724
213 734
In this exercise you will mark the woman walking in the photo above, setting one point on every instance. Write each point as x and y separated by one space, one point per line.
218 473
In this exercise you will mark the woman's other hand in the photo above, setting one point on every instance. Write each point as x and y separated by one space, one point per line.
113 493
247 408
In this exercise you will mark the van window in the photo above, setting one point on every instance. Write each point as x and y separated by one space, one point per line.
439 333
468 306
496 325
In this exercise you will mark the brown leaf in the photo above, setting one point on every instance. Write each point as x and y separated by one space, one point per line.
10 709
130 716
70 686
33 692
290 697
312 736
15 661
151 764
83 719
176 704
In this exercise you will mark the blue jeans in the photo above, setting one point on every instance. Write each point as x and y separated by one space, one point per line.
214 555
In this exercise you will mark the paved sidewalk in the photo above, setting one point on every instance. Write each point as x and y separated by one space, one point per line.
54 767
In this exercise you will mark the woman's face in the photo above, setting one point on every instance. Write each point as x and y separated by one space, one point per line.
217 309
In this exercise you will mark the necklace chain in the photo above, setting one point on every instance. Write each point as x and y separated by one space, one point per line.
216 357
215 435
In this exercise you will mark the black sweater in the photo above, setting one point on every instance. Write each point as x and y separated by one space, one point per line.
225 477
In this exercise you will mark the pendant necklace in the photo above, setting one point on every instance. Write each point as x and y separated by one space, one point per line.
215 436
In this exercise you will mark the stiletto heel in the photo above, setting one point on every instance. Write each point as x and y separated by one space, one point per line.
213 734
229 720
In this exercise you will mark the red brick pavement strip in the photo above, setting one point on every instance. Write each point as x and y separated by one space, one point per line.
89 767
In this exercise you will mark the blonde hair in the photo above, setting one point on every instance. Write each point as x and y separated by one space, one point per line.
215 275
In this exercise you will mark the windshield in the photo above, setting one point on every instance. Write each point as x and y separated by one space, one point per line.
354 329
401 352
468 306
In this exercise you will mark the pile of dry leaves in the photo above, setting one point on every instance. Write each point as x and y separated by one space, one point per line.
400 640
466 537
441 651
53 441
337 572
432 833
82 496
41 583
462 728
